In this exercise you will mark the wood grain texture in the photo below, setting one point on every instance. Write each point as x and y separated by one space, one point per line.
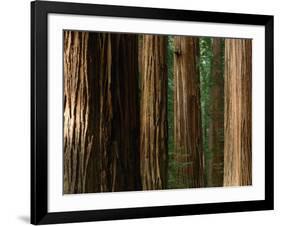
238 112
188 152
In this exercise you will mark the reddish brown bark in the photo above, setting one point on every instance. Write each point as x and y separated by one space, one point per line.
153 118
76 111
100 114
188 152
238 111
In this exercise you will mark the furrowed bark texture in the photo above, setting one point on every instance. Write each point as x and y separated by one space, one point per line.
100 169
101 116
153 118
78 137
238 111
216 126
188 153
126 113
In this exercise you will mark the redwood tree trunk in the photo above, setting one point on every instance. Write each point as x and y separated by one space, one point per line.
188 153
101 116
153 118
125 140
78 137
238 111
216 126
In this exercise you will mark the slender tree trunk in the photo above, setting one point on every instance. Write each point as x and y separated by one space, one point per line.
238 113
216 126
101 99
188 152
153 127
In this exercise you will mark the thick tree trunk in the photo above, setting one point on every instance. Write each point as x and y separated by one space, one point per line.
188 152
238 113
101 98
115 71
216 126
153 127
78 136
125 149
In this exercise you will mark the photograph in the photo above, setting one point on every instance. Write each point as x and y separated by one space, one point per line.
152 112
144 112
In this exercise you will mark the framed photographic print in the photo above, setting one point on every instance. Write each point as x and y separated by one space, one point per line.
144 112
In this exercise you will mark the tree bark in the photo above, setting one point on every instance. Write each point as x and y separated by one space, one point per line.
188 153
101 116
153 118
126 113
216 126
78 136
238 111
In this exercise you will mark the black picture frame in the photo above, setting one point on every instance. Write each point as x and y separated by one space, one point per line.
39 112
